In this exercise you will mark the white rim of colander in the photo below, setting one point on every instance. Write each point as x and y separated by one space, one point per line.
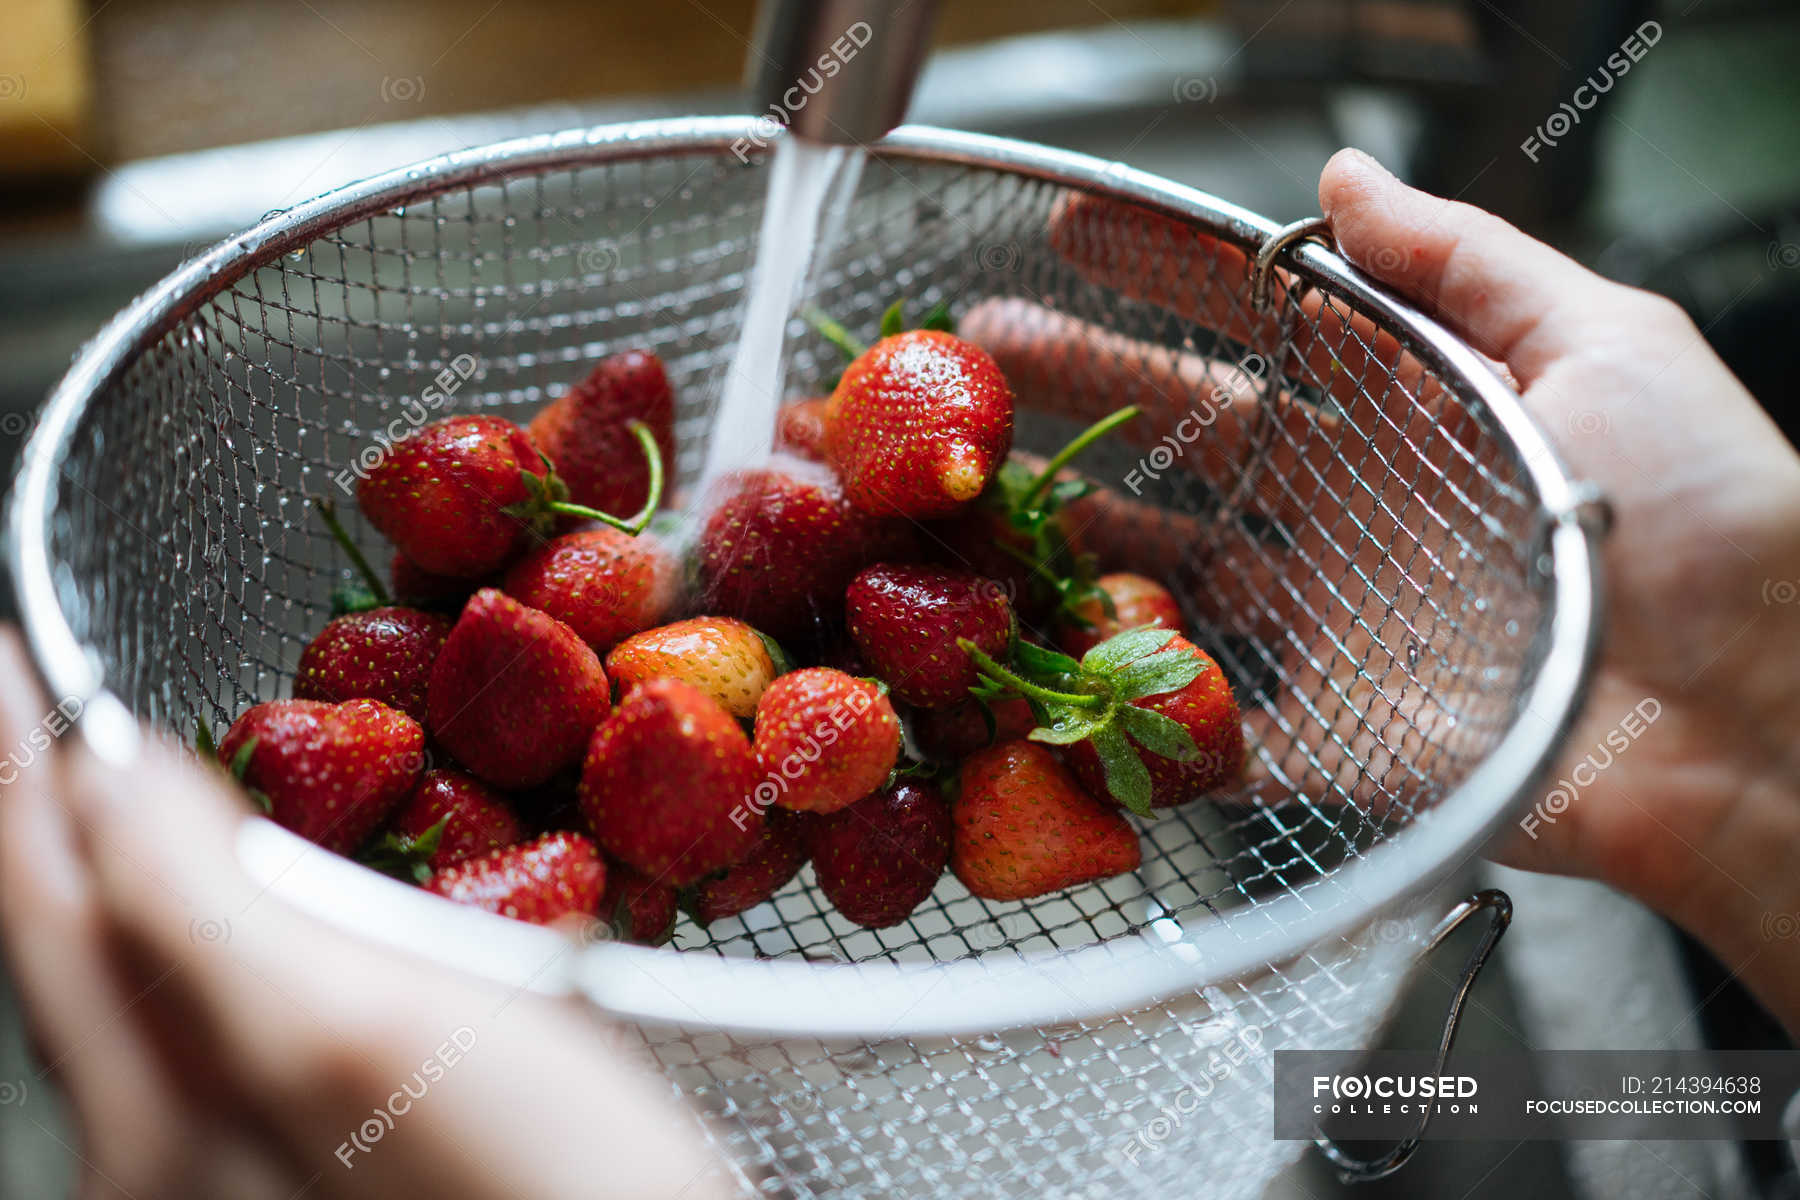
872 999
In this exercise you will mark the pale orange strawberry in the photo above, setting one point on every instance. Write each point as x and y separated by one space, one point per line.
725 658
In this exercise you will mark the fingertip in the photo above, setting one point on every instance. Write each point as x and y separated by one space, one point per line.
1350 178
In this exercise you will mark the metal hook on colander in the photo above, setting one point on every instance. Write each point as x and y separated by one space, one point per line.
1262 269
1352 1169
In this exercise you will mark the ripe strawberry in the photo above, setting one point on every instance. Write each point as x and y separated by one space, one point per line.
515 693
1024 828
952 734
329 772
877 860
463 496
1136 601
555 876
442 494
918 424
585 431
781 546
449 817
637 909
800 429
726 659
777 857
603 584
1204 709
417 587
380 654
1145 716
829 738
907 621
667 784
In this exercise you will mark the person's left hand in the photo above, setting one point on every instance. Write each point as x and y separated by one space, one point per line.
215 1043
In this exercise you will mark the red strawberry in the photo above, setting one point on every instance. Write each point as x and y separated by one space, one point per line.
800 429
829 738
907 620
515 693
329 772
726 659
1136 601
1206 709
918 424
777 857
474 819
1145 716
952 734
463 496
441 494
557 875
780 548
877 860
1024 827
667 784
414 585
585 433
380 654
637 909
602 583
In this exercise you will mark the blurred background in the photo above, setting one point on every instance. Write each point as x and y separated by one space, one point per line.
1657 141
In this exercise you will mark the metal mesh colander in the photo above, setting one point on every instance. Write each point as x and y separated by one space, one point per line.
1364 528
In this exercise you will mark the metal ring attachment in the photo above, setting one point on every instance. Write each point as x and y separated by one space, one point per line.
1263 269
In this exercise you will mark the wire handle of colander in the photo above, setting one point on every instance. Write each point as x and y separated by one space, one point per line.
1498 905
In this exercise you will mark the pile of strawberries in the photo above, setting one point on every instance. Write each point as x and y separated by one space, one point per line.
550 715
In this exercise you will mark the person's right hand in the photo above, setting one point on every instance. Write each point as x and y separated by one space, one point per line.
1700 818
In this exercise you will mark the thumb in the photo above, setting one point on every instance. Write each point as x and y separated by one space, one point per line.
1512 297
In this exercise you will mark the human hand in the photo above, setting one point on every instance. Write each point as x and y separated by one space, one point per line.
214 1043
1700 816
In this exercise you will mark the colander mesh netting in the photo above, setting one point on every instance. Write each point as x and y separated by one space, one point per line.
1348 537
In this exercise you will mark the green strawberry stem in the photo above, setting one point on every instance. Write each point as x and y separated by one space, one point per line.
635 523
341 536
1082 441
832 331
1025 687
